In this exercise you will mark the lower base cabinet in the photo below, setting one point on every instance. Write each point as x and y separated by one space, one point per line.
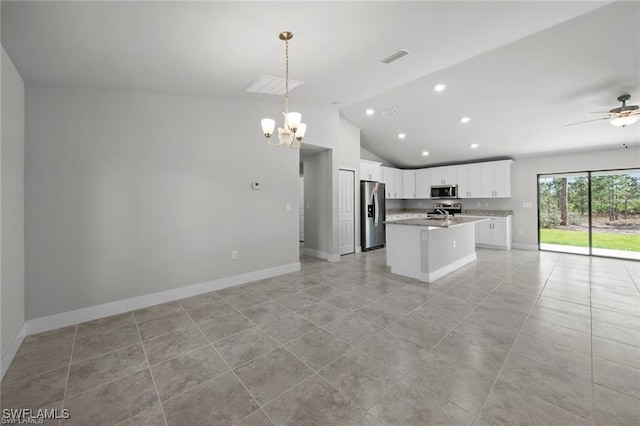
494 233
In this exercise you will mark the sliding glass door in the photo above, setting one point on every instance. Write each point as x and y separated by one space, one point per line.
563 222
590 213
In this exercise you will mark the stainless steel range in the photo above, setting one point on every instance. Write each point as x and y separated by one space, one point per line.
450 207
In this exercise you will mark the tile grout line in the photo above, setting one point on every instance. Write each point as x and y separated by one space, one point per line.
511 348
66 386
230 369
404 375
155 387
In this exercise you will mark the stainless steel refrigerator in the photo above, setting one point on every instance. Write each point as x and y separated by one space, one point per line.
372 215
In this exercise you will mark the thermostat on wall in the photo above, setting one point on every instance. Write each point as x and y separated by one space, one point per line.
255 185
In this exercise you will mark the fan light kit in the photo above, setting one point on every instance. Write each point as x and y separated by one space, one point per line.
622 116
439 87
425 153
293 129
401 135
369 111
465 120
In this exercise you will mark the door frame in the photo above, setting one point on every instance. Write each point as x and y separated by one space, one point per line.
356 196
589 206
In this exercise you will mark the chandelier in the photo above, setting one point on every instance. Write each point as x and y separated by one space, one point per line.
293 130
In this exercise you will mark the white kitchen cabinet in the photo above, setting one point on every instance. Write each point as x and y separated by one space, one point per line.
496 179
386 177
470 181
423 183
444 175
408 184
494 233
398 183
393 182
369 170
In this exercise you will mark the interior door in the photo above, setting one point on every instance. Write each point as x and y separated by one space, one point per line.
346 211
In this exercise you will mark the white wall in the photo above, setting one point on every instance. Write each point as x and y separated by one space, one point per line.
131 193
12 260
368 155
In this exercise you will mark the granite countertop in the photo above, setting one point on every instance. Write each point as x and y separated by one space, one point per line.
497 213
501 213
435 222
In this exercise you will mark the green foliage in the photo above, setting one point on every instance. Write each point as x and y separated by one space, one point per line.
626 242
614 195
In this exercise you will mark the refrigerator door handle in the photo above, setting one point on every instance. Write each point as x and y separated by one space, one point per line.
376 207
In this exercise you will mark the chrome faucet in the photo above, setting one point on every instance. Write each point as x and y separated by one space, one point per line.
444 214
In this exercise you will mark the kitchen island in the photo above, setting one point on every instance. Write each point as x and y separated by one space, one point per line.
426 249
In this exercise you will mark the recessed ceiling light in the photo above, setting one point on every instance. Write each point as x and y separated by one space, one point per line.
401 135
474 146
370 111
439 87
425 153
465 120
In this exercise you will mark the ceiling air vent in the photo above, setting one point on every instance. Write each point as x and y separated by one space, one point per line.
394 56
271 85
388 113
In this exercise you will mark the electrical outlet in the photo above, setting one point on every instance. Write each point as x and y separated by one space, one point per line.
234 255
453 243
288 207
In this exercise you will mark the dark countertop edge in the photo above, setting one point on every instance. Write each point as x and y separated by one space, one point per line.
434 224
498 213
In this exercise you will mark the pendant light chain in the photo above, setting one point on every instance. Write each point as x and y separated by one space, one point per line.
286 77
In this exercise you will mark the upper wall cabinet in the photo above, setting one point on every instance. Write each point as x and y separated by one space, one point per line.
393 180
470 181
496 179
477 180
408 184
423 183
369 170
444 175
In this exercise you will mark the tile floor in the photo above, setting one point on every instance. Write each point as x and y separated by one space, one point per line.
515 338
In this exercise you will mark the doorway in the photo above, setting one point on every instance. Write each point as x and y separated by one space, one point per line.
592 213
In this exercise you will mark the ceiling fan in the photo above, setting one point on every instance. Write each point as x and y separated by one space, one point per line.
621 116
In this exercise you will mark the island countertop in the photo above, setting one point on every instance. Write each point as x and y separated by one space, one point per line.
496 213
436 222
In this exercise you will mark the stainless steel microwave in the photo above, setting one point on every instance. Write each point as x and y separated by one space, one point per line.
444 191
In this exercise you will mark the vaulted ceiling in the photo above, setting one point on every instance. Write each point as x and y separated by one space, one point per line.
519 70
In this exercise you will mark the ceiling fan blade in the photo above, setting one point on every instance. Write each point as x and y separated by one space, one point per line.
599 112
586 121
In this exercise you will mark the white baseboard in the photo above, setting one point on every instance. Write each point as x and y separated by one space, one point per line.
11 350
530 247
438 273
322 255
64 319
